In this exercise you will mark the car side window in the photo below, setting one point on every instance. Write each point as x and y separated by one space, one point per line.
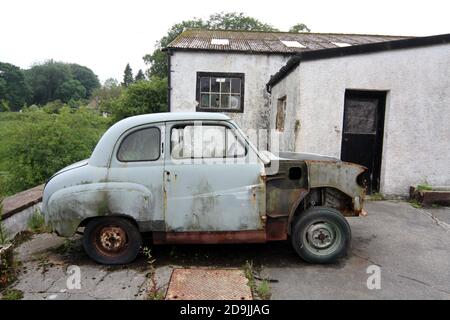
140 145
205 141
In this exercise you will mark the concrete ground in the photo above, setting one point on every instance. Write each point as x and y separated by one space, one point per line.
410 246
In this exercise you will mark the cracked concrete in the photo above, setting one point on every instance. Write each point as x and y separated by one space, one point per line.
409 245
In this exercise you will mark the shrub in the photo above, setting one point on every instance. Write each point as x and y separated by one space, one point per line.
35 144
140 98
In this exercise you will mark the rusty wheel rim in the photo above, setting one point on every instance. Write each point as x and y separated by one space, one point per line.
111 240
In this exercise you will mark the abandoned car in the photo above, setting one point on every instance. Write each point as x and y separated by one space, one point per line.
188 178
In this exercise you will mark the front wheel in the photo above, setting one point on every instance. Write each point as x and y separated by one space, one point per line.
321 235
111 240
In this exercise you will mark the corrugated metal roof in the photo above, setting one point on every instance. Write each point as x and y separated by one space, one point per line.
269 42
370 47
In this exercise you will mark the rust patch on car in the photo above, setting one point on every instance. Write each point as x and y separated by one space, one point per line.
276 229
204 237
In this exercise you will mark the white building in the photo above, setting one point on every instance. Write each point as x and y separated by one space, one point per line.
394 92
385 105
227 71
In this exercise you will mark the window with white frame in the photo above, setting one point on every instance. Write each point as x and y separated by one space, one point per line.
220 92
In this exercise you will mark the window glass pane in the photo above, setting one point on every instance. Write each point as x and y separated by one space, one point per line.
215 101
216 91
181 142
198 142
215 84
204 103
213 141
204 84
140 146
234 145
225 101
360 116
226 86
235 102
236 85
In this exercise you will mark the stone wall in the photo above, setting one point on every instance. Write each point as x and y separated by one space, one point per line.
18 208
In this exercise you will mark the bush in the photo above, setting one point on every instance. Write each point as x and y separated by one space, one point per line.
35 144
140 98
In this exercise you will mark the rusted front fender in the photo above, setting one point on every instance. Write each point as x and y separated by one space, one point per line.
68 207
342 176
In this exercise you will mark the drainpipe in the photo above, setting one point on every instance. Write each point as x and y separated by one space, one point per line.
169 77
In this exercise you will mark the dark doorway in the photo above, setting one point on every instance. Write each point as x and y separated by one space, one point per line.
362 137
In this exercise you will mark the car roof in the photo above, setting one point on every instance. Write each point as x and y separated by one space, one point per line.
102 152
173 116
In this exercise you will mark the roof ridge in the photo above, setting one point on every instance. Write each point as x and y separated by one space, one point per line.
293 33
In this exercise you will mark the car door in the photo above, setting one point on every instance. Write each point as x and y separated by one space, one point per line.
137 166
212 179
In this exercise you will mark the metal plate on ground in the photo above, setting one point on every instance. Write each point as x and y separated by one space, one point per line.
208 284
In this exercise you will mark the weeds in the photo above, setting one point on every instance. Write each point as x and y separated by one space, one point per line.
3 232
154 292
416 204
261 290
68 247
44 263
376 196
424 187
12 294
4 238
36 223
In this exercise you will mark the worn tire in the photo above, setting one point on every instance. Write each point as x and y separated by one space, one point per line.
321 235
112 240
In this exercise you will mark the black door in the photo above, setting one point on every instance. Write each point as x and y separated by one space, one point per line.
362 137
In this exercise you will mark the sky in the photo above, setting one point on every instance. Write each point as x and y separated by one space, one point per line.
105 35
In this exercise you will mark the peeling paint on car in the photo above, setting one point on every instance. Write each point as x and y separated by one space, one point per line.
212 201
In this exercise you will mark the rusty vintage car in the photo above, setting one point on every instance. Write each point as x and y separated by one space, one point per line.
188 178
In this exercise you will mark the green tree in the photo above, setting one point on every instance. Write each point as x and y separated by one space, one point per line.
52 80
299 27
44 79
13 88
139 76
105 96
70 90
86 77
127 76
237 21
140 98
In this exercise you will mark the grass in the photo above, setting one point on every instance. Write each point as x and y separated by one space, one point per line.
414 203
4 239
424 187
36 223
262 289
376 196
12 294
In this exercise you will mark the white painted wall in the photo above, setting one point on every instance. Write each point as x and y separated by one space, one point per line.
257 68
416 146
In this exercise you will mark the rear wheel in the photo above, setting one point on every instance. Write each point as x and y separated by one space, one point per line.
321 235
111 240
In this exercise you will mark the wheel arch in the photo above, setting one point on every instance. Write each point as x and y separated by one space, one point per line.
321 196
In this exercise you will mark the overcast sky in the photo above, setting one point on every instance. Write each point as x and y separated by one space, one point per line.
106 34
